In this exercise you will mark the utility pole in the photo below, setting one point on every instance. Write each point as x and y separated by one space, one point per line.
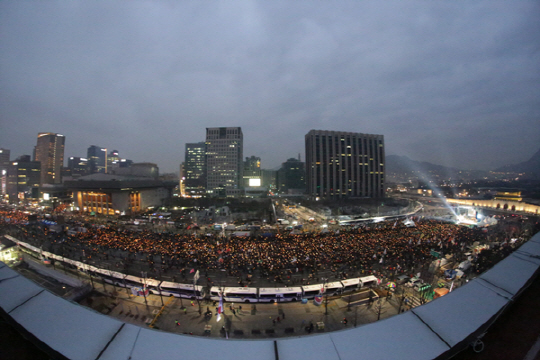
326 296
143 274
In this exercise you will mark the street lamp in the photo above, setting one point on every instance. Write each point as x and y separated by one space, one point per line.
326 296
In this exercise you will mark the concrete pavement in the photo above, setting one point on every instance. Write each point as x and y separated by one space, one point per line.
253 321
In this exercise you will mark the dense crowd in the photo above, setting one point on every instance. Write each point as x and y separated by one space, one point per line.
387 248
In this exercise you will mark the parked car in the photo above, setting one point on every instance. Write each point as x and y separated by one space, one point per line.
402 279
418 284
414 283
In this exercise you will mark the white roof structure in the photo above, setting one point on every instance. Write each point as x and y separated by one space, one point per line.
426 332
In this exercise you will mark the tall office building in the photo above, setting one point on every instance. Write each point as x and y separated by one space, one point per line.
49 151
97 159
4 157
23 179
224 165
268 179
77 166
344 164
252 172
194 169
112 159
4 162
292 177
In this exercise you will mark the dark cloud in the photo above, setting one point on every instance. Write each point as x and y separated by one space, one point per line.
447 82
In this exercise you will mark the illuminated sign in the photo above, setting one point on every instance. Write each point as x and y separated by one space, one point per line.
254 182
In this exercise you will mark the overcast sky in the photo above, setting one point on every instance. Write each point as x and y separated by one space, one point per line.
450 82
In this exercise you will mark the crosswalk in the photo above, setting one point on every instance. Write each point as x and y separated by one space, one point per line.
413 301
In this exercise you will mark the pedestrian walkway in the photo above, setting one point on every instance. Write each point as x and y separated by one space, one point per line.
252 321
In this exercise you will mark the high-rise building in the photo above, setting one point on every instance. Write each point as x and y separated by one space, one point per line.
195 169
49 152
23 179
4 162
77 166
97 159
224 165
112 159
252 172
344 164
4 157
268 179
292 176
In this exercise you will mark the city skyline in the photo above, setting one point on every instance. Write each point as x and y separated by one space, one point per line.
445 83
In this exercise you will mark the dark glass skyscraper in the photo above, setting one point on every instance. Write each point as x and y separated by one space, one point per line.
344 164
77 166
97 159
292 175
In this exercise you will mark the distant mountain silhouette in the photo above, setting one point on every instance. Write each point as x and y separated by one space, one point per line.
531 166
403 164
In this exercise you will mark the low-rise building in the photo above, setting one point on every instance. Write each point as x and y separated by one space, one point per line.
111 194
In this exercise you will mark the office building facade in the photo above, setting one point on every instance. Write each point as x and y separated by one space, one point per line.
49 151
77 166
97 159
4 157
292 176
194 171
224 161
4 162
344 165
112 159
23 179
252 172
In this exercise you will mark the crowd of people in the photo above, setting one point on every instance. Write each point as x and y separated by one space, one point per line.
387 248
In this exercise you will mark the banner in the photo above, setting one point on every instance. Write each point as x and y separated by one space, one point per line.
220 308
139 291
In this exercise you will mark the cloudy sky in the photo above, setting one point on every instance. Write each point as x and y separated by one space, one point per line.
450 82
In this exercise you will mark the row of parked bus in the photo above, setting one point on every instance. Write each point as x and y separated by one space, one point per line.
295 293
165 288
192 291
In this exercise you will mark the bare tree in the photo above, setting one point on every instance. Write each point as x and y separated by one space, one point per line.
378 308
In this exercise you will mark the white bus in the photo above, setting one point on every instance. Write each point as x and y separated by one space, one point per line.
167 288
272 295
119 279
369 281
234 294
333 288
310 291
351 284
